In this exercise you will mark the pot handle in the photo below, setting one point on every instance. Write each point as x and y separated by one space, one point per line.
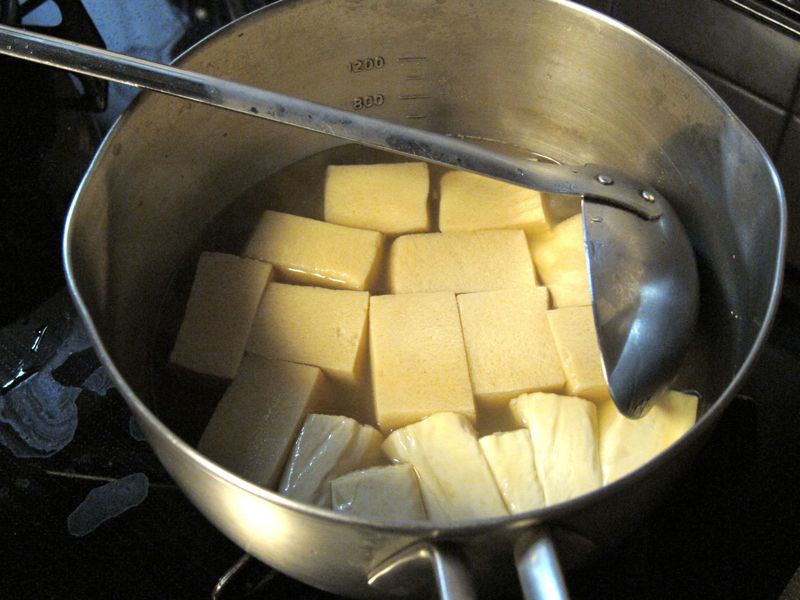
399 574
538 569
537 565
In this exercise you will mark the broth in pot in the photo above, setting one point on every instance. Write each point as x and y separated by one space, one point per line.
444 367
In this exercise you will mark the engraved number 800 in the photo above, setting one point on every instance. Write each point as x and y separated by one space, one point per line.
361 102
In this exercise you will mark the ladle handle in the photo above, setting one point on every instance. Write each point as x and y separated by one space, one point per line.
589 181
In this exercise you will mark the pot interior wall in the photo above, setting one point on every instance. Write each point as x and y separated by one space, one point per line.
538 75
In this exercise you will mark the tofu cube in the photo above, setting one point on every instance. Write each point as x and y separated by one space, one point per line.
559 207
327 446
564 435
470 202
464 261
390 198
454 476
314 326
317 253
626 444
222 303
417 358
257 420
560 259
576 339
384 492
510 349
511 460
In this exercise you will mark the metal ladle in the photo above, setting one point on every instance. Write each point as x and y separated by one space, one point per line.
642 270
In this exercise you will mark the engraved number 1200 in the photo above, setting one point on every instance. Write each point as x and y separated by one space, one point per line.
367 64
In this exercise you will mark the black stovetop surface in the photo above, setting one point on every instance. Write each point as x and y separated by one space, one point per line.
729 529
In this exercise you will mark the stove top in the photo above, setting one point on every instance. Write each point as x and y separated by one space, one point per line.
87 510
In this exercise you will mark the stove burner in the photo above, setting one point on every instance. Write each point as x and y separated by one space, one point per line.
250 578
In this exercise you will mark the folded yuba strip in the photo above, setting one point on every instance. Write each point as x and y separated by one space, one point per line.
559 256
388 492
626 444
454 476
564 435
328 446
510 457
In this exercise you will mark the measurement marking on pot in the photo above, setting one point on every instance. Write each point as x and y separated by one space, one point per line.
406 59
369 63
414 96
414 77
362 102
416 116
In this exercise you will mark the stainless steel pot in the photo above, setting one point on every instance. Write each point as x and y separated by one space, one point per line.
544 75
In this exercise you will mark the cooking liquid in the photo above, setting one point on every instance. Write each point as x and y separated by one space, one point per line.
185 401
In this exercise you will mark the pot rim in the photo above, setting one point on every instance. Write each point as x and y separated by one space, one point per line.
455 529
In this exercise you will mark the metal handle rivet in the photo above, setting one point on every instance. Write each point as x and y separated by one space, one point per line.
648 195
605 179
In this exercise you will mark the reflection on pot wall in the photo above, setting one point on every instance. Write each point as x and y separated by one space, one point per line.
750 58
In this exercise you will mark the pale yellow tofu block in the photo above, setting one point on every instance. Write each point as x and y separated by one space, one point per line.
314 326
511 460
558 207
326 447
470 202
315 252
463 261
258 417
417 358
222 303
390 198
560 259
564 435
510 349
390 492
454 477
576 339
626 444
